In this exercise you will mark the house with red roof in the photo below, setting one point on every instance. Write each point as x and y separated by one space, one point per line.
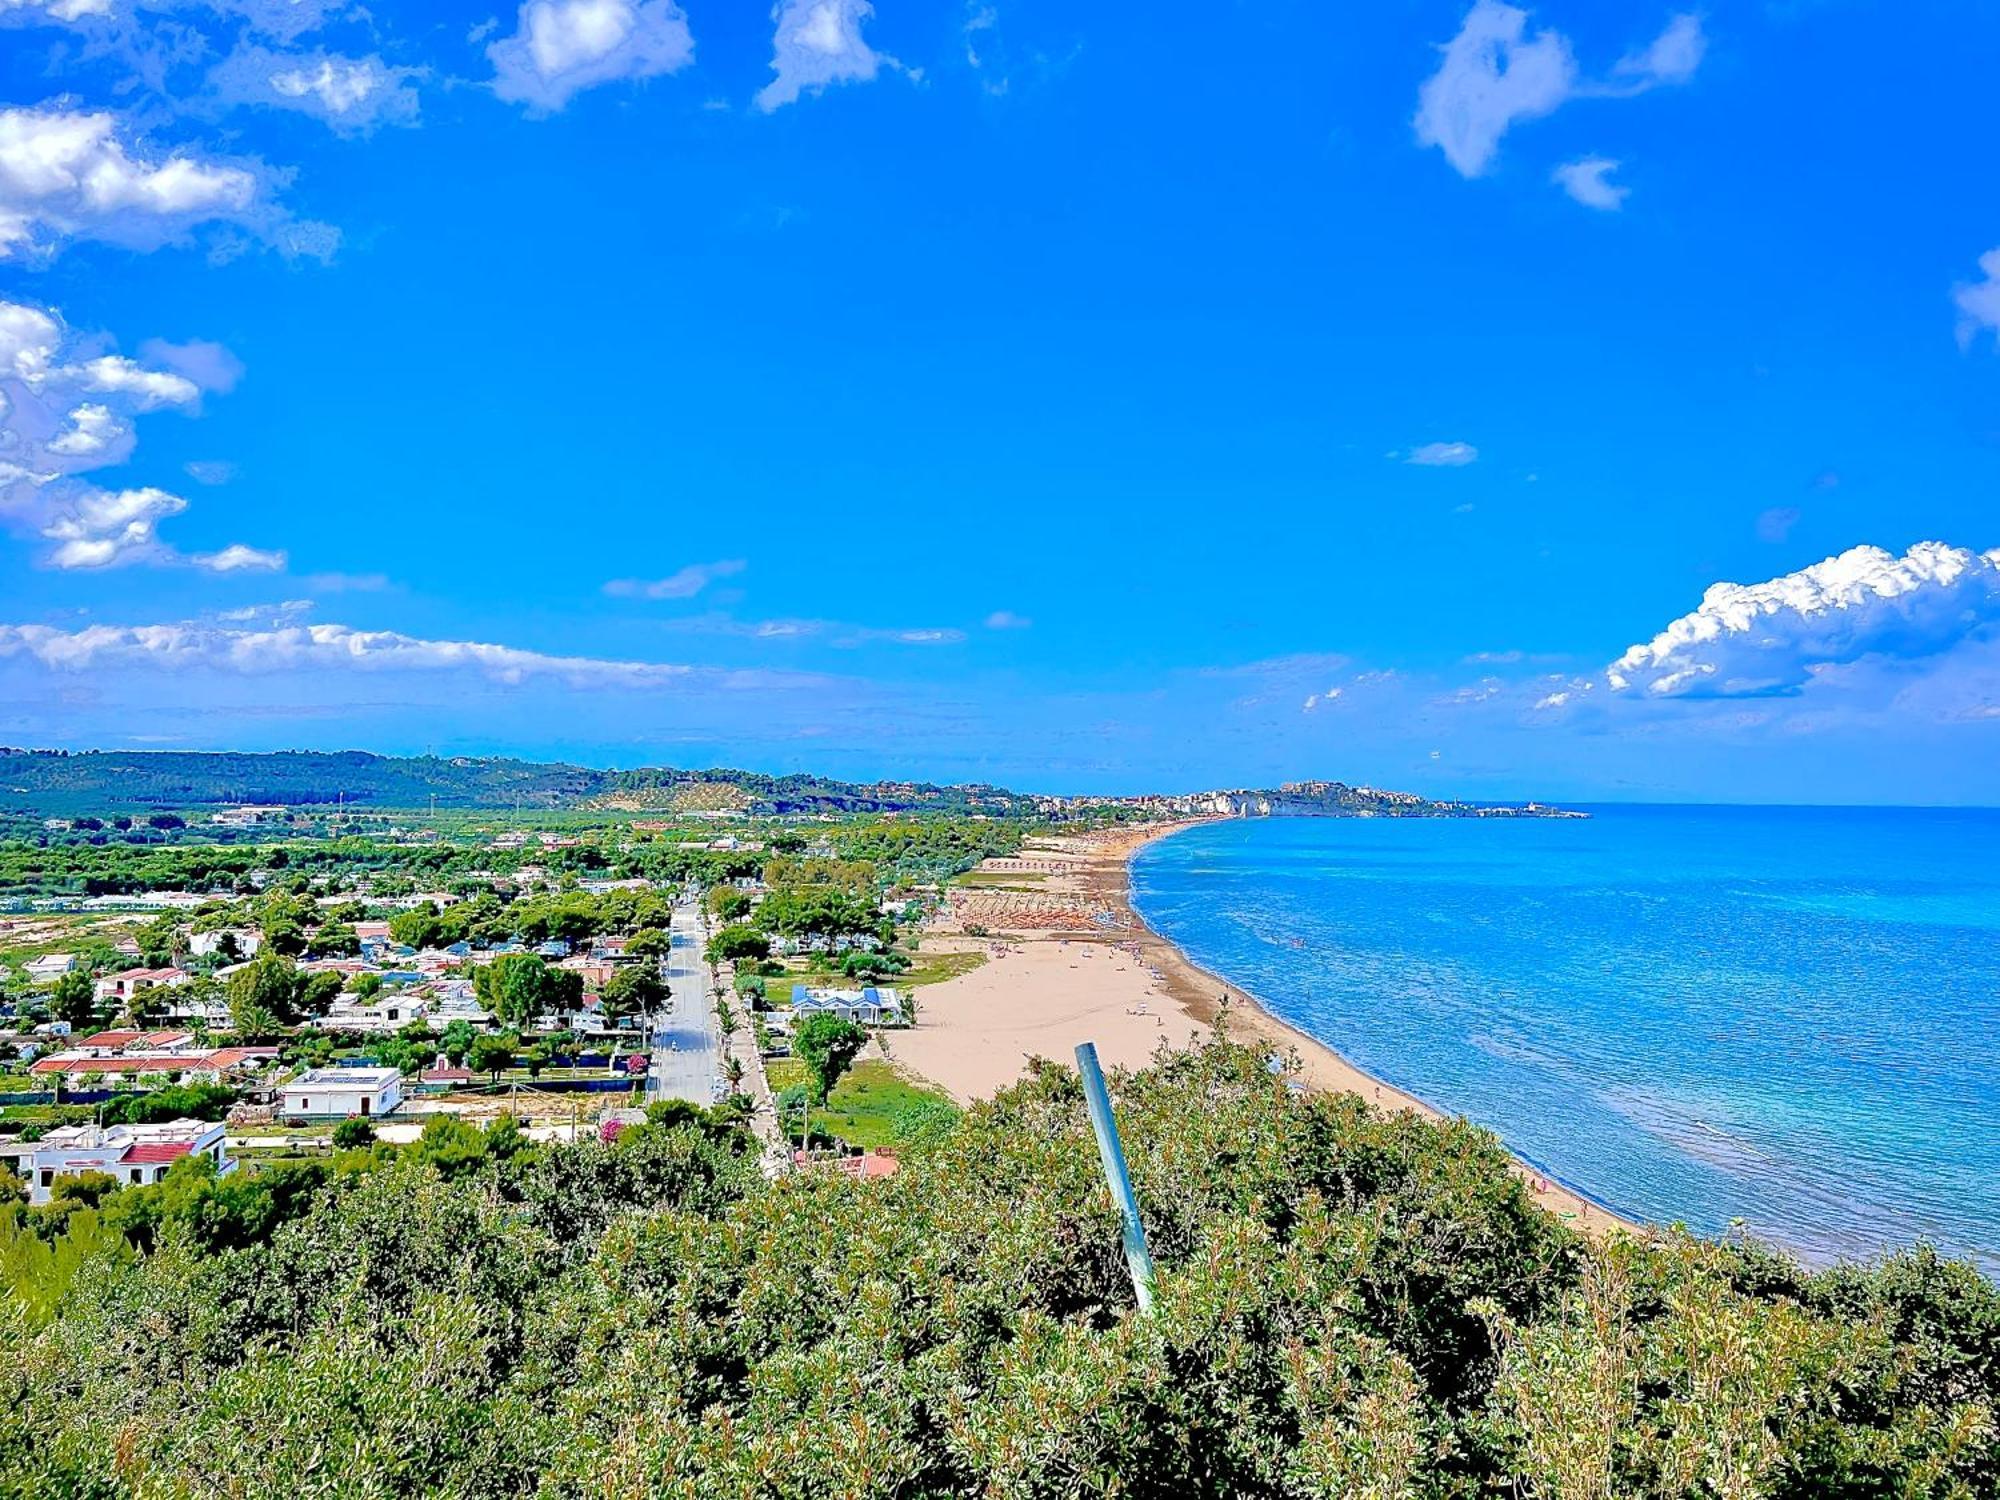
122 987
136 1155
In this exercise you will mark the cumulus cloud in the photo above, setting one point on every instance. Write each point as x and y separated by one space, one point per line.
222 647
1751 640
1587 180
818 42
352 95
1496 73
562 46
684 583
1443 455
67 410
78 174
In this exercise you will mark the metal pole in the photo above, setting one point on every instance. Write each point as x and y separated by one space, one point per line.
1112 1154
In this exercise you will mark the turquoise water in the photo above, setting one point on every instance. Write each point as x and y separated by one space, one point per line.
1785 1016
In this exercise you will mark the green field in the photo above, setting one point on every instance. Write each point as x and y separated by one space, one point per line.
864 1105
927 968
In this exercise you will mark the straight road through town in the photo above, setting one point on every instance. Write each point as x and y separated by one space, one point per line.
687 1058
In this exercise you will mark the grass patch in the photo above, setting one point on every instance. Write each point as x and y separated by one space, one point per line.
865 1103
1003 880
925 968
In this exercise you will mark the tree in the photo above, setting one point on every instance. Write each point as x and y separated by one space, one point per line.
264 994
458 1039
827 1046
517 987
336 940
75 1001
419 927
492 1054
650 943
317 994
352 1134
728 902
633 989
736 942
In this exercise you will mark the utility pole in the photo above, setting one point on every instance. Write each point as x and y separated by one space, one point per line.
1112 1154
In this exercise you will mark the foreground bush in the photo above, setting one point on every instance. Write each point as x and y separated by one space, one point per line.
1348 1305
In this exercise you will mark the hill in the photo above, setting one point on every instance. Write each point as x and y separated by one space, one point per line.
60 783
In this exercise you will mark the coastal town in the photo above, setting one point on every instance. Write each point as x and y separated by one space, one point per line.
277 988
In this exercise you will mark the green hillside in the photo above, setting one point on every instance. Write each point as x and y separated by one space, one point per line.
58 783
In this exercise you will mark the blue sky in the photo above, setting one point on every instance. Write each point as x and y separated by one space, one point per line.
1041 393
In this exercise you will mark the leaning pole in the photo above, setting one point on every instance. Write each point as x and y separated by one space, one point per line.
1112 1154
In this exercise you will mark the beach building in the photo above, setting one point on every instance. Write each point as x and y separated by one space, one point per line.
137 1155
339 1093
864 1007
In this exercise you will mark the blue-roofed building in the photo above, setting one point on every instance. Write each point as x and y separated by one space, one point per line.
864 1007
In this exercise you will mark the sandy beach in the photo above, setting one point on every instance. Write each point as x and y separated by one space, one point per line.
1069 961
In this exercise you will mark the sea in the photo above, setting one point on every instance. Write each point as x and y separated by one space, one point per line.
1783 1019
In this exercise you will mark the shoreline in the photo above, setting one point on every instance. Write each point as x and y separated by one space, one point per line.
1047 985
1325 1067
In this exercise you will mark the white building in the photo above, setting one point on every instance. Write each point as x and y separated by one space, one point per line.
122 987
248 941
341 1092
137 1155
864 1007
50 966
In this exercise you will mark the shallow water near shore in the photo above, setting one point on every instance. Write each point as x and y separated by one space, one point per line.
1784 1016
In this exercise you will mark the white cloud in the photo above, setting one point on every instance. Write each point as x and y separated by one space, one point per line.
66 411
818 42
349 94
94 528
685 583
1321 700
1495 73
1749 640
1006 619
1443 455
1587 181
1978 302
219 647
208 364
92 430
69 174
237 558
1672 56
562 46
115 375
67 11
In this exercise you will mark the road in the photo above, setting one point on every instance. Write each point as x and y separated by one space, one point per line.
686 1055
